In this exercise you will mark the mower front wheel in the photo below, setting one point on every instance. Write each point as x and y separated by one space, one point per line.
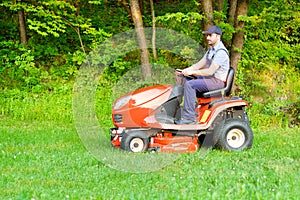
234 135
134 142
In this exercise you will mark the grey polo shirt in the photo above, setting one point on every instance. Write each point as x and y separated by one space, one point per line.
219 57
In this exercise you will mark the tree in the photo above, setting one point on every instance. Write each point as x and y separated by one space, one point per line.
138 24
207 8
231 11
22 27
154 30
236 9
238 37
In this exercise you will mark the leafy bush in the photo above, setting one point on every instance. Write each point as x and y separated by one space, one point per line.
54 106
18 66
268 73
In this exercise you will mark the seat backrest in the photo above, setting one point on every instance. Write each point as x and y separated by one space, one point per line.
218 92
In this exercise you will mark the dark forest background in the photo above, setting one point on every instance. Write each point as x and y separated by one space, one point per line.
44 43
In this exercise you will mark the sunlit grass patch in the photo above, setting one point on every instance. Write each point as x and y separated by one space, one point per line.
41 161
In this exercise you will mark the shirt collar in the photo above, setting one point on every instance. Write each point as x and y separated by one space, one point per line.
218 46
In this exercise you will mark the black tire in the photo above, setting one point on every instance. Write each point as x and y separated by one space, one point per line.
135 142
233 135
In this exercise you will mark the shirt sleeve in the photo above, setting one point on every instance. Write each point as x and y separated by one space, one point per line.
221 58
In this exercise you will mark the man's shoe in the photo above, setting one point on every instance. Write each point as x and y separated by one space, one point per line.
184 121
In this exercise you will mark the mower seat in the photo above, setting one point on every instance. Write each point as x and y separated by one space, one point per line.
218 92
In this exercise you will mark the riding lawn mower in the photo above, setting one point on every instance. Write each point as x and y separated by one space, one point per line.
144 120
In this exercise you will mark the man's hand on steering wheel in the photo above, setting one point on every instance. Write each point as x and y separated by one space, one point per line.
186 73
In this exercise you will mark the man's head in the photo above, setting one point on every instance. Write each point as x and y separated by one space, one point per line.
213 35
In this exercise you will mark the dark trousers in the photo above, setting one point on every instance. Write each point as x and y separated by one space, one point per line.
201 84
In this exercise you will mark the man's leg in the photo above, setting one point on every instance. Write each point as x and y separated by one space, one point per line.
204 84
189 101
201 84
180 80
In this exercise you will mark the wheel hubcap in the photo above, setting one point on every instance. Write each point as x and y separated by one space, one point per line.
235 138
137 145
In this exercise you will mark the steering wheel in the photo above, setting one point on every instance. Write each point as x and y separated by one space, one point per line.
189 76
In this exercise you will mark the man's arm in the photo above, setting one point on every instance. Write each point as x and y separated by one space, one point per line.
220 57
199 65
206 71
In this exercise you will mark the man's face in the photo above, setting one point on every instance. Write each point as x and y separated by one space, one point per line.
212 39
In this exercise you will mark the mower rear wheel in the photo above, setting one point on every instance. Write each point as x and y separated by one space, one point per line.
233 135
134 142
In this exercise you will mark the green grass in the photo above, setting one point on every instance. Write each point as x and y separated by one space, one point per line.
46 161
42 157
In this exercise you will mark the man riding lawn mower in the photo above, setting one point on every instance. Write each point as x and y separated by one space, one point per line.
151 118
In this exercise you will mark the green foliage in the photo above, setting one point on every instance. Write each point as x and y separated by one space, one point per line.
186 19
275 20
115 71
186 23
58 39
25 63
62 33
54 17
275 114
17 65
54 105
268 73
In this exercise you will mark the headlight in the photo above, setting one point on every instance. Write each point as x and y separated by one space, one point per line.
121 102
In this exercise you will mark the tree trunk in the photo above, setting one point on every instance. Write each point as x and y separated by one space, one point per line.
231 12
238 37
153 31
218 5
207 8
208 12
22 27
141 5
138 23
